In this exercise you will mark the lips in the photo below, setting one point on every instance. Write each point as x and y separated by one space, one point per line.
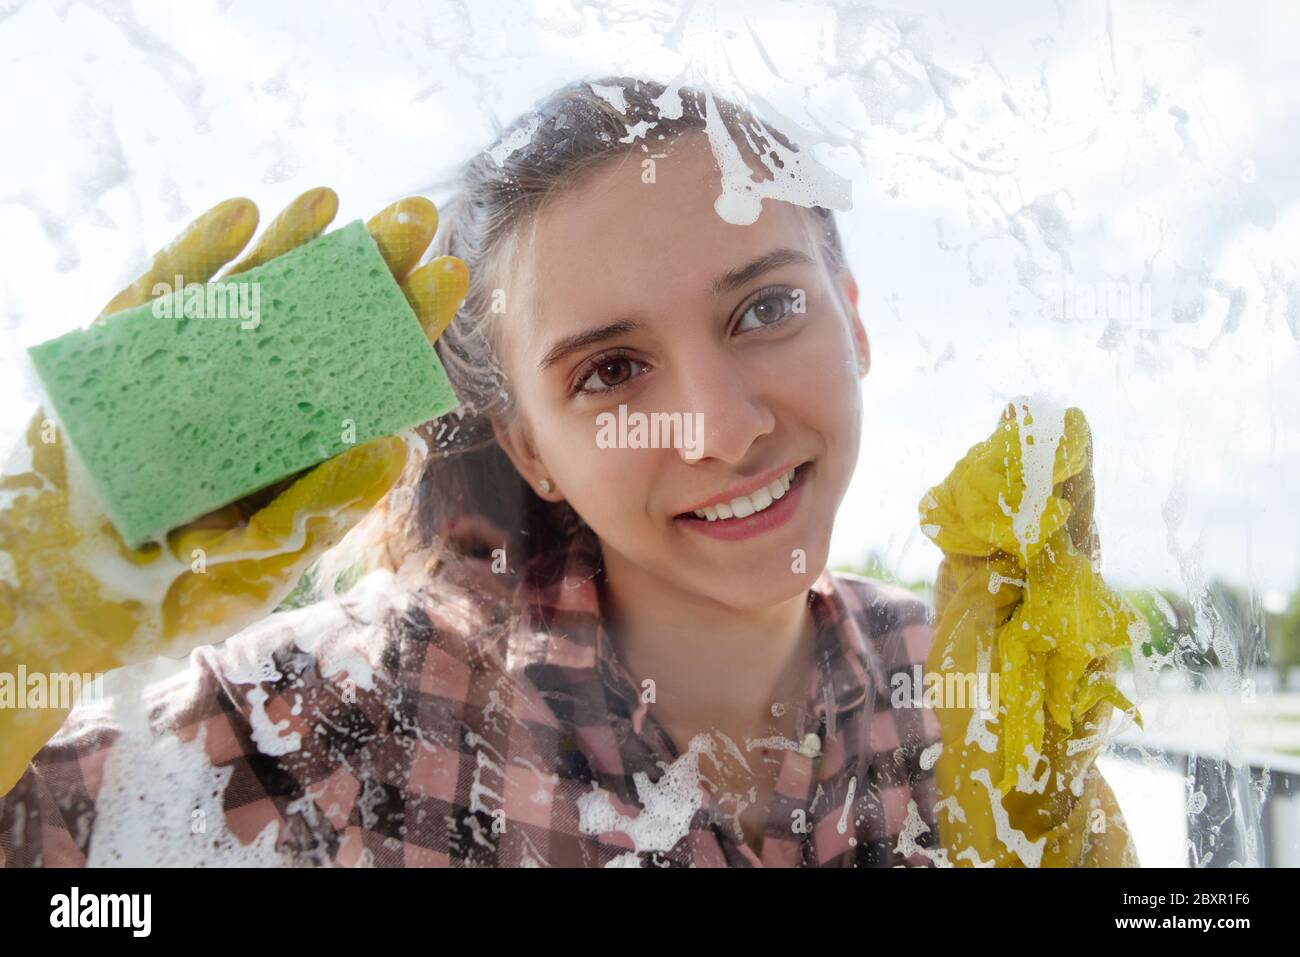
739 507
778 515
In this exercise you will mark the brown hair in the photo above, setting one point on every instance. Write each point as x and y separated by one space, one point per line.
497 194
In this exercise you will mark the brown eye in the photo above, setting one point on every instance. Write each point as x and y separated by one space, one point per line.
606 375
613 371
770 310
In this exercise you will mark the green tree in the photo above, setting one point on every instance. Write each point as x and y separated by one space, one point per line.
1284 635
874 566
1166 616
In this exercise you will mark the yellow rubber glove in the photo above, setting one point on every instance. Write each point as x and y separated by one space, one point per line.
75 600
1018 596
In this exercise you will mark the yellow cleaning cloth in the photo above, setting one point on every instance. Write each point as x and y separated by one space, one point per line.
1019 597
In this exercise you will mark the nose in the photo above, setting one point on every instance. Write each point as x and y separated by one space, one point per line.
730 405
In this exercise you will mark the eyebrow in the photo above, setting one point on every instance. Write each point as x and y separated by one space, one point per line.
747 273
727 282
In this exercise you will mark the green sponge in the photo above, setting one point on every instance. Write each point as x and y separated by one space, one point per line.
174 416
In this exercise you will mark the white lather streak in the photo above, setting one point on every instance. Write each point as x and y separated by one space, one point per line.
668 805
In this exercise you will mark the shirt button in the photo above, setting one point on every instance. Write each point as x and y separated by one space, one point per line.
812 745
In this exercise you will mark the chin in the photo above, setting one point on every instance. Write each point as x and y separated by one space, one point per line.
759 585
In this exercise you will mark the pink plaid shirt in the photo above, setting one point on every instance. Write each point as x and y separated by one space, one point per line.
486 722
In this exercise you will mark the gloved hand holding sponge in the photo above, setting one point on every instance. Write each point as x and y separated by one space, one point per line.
197 463
1019 596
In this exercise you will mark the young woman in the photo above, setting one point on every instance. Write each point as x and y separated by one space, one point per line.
572 653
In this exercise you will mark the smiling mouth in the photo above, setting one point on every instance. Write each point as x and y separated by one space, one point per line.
744 506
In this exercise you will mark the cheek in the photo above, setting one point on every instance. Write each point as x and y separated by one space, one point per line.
598 482
825 394
819 375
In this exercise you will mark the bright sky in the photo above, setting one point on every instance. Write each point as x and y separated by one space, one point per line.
1140 153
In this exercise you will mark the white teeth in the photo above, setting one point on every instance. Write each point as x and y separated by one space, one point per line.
745 505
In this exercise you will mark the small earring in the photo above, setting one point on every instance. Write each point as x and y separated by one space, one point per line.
545 485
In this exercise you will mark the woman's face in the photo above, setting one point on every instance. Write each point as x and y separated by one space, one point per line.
767 359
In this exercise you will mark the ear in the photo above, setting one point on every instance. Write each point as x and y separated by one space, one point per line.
849 288
518 446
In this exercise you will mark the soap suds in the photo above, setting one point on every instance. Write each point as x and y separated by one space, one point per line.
668 805
1041 426
160 802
